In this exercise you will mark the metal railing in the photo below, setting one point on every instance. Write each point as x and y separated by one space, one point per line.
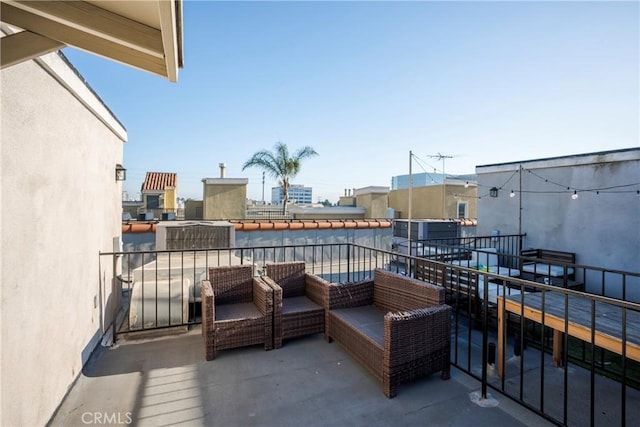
507 244
160 289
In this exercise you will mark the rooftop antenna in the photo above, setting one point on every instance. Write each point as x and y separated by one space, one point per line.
443 157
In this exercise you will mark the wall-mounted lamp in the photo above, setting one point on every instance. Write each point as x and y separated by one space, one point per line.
121 173
493 192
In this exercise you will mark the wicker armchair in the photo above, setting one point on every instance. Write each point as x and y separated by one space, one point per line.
237 310
398 328
298 301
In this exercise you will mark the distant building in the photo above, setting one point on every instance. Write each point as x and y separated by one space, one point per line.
401 182
159 193
457 198
224 198
297 194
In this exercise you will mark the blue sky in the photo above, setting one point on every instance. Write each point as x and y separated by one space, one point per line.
365 82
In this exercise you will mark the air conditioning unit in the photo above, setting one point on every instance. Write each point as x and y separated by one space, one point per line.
423 229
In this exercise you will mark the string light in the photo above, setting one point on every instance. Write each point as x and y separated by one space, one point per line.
574 195
512 194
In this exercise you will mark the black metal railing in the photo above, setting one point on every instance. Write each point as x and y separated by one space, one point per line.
508 244
499 336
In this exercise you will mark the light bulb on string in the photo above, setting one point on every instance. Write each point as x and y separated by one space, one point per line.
574 195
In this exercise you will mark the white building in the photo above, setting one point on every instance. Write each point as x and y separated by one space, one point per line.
297 194
588 204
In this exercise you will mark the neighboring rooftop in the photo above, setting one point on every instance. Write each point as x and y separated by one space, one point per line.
155 181
598 156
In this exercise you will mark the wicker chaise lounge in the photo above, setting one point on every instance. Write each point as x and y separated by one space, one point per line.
237 310
397 327
298 301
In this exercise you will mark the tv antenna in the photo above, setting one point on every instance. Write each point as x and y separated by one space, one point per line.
443 157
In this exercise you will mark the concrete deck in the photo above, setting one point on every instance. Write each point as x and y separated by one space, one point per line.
308 382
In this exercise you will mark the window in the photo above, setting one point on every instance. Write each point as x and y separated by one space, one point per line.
153 202
462 209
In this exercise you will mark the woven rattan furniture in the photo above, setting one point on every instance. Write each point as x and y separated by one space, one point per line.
237 310
298 301
398 328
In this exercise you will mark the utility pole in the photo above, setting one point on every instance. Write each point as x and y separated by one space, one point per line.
408 271
443 157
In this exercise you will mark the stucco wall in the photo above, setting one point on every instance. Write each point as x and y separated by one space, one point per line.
224 200
602 229
170 198
374 237
193 209
427 201
54 153
375 204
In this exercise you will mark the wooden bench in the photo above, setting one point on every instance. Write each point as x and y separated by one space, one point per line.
536 263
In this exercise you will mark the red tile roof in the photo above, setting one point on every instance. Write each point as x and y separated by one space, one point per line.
159 180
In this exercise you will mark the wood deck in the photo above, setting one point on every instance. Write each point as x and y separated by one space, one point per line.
608 319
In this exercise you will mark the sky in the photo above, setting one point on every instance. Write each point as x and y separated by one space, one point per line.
365 83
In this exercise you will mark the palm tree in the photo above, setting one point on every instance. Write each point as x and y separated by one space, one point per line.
280 165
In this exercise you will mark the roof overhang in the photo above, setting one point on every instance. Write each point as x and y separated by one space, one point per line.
142 34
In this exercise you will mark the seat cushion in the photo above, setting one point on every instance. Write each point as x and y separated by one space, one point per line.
246 310
368 319
546 269
298 305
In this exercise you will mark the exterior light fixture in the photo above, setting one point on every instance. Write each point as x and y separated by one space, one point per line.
512 194
574 195
493 192
121 173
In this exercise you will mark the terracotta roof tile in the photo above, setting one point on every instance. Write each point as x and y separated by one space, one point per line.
159 180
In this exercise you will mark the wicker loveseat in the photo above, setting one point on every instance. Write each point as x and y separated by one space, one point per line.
237 310
298 300
397 327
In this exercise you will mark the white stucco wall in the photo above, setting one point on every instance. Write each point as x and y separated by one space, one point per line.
56 154
602 229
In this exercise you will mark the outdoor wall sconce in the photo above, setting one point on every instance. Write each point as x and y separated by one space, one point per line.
493 192
121 173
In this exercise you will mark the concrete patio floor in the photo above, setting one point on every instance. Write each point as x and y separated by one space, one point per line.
166 381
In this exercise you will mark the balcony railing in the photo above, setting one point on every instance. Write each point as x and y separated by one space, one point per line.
161 214
498 337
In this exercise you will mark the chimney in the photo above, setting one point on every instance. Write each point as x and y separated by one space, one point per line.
349 193
345 192
223 169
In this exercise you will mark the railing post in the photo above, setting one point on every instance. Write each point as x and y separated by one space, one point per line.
485 333
349 263
113 296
